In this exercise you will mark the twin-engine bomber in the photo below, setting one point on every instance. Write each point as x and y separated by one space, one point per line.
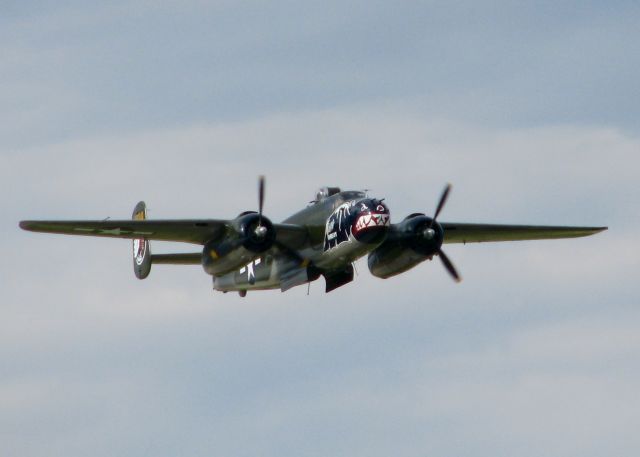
324 239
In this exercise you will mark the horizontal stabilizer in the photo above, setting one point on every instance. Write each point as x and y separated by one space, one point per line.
177 259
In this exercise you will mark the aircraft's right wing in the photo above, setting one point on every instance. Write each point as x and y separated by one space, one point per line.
478 233
197 231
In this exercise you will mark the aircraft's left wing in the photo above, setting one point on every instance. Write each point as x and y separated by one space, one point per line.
477 233
197 231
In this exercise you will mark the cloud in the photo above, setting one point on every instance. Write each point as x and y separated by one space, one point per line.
348 147
530 111
537 341
563 388
128 66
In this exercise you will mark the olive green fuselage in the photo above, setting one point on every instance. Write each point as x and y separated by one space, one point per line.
340 229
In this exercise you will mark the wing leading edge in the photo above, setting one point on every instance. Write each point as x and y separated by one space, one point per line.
479 233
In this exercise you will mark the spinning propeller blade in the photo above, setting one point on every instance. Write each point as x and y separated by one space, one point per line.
443 200
443 257
449 266
261 231
260 197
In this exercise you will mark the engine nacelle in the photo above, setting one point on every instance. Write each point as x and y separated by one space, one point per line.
249 235
411 242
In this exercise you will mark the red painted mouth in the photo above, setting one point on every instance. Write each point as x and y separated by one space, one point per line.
371 220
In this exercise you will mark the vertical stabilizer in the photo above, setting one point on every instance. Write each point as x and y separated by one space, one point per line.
141 248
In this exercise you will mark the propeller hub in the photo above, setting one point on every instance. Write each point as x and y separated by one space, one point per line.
261 231
429 233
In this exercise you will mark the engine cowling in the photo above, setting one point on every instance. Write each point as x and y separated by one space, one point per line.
249 235
412 241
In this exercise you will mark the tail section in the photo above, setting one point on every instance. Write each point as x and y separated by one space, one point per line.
141 248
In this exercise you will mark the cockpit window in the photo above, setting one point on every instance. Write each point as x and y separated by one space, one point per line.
325 192
353 194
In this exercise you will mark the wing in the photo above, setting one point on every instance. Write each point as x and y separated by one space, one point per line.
197 231
478 233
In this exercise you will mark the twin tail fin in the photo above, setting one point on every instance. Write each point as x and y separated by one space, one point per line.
141 247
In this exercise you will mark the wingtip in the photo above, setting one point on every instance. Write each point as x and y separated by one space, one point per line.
590 231
25 225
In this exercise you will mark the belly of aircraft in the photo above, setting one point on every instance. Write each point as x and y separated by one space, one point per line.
282 272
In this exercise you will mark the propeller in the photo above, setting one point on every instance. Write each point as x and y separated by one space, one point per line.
443 200
260 194
430 233
449 266
261 230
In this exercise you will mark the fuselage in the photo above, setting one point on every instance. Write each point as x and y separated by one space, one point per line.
342 227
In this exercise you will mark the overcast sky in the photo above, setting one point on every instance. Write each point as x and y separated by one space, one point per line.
530 110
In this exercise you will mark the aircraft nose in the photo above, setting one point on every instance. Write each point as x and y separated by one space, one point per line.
372 224
379 207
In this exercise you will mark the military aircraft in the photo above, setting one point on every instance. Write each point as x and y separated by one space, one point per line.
323 239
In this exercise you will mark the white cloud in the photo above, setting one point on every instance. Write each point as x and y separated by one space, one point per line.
559 389
415 359
523 108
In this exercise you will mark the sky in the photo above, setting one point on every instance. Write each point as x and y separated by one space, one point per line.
529 110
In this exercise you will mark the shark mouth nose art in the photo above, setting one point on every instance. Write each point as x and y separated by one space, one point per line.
371 220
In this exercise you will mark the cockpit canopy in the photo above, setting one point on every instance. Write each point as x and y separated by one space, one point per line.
325 192
340 196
